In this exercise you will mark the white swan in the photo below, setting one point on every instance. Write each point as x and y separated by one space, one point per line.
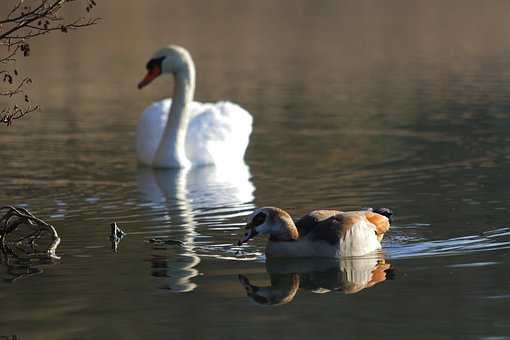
185 133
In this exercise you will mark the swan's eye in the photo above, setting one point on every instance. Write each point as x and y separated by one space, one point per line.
154 62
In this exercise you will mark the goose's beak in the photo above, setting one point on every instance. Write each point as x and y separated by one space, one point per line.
250 233
151 75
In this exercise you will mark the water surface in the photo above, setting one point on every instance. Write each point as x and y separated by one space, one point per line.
355 104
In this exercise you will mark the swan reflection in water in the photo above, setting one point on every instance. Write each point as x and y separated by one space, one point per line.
216 193
287 276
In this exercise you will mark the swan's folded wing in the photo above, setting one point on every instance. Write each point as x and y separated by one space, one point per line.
217 133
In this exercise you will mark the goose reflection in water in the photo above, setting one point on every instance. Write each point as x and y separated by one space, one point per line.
287 276
182 194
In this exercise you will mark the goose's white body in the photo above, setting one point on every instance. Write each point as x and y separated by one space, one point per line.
180 133
216 133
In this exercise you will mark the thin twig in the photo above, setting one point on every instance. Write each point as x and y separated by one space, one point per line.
29 19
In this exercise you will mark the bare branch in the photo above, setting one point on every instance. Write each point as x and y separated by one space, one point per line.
26 20
10 56
15 39
10 114
17 89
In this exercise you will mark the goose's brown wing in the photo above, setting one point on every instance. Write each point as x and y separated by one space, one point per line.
330 229
382 223
309 221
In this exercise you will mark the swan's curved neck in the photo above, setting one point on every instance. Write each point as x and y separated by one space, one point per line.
171 150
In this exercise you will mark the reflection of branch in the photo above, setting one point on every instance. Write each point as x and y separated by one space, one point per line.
17 216
22 267
28 272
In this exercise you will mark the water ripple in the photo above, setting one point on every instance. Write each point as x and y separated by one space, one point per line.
490 240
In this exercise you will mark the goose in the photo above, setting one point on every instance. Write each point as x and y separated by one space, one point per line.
320 233
181 133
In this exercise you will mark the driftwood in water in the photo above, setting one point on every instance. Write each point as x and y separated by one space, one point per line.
16 218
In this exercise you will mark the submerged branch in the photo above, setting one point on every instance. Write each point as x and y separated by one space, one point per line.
15 217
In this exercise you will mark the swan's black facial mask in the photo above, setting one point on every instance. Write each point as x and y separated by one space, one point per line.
153 71
154 62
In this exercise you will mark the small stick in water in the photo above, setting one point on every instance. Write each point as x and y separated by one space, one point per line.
116 236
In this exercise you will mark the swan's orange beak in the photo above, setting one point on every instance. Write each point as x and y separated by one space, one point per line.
151 75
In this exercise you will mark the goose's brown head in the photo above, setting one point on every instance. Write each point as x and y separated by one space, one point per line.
256 219
269 220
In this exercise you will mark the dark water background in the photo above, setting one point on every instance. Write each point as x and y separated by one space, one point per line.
356 103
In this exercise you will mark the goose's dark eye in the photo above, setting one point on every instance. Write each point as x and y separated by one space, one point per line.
259 219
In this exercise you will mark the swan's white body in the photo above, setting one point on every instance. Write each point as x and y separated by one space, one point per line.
180 133
216 133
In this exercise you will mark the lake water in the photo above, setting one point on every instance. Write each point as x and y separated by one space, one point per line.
355 104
